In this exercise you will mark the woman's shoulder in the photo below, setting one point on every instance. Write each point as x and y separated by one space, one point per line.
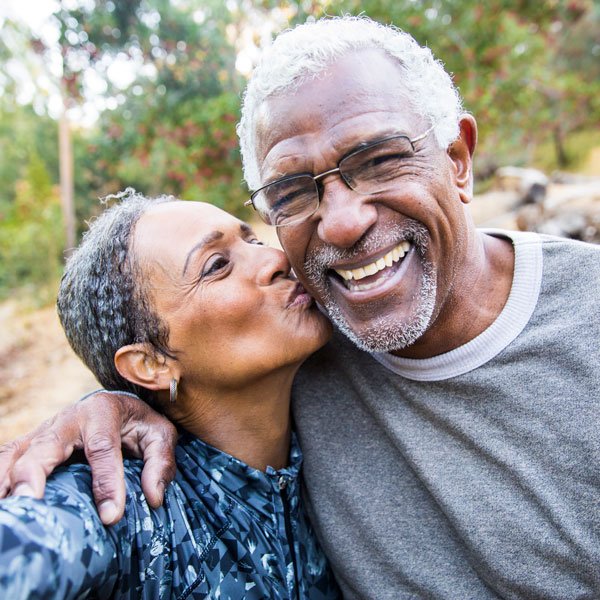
152 545
75 480
190 487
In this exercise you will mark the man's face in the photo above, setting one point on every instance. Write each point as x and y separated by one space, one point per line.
409 240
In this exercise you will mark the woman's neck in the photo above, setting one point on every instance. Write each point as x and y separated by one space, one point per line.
253 424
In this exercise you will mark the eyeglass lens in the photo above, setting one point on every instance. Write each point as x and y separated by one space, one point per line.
369 170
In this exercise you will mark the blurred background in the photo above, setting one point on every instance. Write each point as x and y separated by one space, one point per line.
99 95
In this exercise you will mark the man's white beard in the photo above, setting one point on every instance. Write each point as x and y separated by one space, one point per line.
389 332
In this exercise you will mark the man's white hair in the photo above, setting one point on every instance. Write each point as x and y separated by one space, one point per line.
300 54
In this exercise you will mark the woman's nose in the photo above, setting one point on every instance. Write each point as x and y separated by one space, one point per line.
272 265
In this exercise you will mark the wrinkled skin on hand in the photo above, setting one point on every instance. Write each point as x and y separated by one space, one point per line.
101 425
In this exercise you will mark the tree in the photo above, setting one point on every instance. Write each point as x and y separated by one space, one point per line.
523 68
31 236
171 129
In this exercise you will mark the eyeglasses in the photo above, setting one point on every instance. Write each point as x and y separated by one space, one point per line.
371 169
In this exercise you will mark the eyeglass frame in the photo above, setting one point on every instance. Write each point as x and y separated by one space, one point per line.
319 176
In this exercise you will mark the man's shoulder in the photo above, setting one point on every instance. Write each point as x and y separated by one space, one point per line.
549 244
565 261
337 357
570 267
572 251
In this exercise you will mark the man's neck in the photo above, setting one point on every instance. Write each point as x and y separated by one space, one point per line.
474 303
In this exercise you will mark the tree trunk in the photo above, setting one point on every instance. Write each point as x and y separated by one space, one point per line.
559 146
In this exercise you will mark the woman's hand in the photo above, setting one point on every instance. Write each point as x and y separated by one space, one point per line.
100 425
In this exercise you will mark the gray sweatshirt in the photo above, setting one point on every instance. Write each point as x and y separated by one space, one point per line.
476 473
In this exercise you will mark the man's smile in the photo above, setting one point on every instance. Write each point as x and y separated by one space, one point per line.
369 288
373 273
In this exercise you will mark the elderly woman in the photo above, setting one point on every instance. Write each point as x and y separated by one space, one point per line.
179 303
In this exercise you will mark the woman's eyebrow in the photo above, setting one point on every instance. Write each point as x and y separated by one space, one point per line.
209 238
246 229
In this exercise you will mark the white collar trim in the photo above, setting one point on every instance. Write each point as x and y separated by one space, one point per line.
515 315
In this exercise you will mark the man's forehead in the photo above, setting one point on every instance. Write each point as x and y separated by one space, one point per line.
360 75
356 96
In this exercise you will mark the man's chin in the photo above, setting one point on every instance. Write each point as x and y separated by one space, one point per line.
383 335
380 328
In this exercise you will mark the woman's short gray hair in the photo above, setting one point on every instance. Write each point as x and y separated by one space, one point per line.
102 301
301 53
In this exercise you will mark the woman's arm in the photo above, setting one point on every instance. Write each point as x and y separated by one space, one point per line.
99 425
57 547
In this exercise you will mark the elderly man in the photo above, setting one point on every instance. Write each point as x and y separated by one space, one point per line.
450 429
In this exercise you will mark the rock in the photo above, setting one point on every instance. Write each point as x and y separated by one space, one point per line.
568 224
530 184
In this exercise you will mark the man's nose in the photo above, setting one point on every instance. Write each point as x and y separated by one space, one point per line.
344 216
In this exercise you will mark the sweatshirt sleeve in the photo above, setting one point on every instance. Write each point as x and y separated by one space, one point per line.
56 547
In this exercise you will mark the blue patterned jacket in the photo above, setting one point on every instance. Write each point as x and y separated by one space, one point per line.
225 531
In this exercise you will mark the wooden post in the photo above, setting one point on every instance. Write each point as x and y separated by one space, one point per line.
65 158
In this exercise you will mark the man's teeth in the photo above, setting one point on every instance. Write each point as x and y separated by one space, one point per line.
394 255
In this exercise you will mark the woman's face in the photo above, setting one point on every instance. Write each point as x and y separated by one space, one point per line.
232 309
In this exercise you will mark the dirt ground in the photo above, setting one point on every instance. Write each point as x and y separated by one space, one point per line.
39 373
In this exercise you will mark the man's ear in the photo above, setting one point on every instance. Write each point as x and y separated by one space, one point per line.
461 154
140 364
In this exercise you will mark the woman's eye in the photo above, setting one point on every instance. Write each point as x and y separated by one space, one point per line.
257 242
214 265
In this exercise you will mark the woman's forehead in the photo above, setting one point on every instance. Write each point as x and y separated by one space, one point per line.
182 218
184 209
166 233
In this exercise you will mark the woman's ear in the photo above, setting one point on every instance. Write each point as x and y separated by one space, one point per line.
461 154
140 364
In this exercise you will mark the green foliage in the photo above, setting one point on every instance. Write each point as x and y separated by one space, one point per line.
192 152
580 148
173 130
22 132
528 71
522 67
31 236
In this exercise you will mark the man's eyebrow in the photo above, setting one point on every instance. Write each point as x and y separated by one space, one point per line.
209 238
366 142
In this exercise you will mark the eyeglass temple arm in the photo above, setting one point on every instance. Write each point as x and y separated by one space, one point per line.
423 135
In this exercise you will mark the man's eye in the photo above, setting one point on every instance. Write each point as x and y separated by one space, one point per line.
382 167
284 198
385 159
214 265
282 217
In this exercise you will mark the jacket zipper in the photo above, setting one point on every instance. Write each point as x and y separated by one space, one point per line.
288 531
